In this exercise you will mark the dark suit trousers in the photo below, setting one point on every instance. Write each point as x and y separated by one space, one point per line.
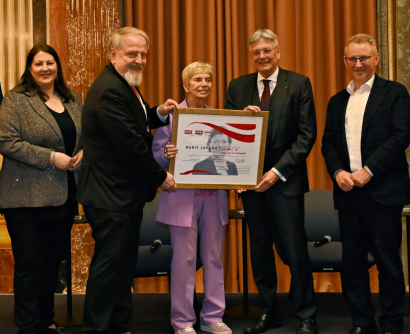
108 299
275 217
38 249
369 226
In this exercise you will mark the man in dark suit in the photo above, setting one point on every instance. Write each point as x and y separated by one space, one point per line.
118 176
275 209
366 134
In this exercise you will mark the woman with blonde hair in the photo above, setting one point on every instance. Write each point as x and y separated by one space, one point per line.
189 212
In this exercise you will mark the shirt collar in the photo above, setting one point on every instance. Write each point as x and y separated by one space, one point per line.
351 86
273 77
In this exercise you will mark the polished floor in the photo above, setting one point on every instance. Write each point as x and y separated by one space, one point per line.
151 313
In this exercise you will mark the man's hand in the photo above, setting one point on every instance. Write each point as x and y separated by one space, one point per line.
168 107
170 151
345 180
169 184
361 177
255 109
268 180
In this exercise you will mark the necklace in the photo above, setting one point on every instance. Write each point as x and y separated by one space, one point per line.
186 100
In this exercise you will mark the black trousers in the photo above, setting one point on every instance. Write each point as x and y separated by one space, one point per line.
369 226
108 299
275 217
38 249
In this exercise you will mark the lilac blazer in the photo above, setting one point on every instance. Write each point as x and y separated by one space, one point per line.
176 208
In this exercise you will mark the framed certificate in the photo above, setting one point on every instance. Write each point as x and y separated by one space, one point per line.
218 149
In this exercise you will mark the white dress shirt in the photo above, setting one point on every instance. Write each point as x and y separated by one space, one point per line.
354 122
162 118
272 84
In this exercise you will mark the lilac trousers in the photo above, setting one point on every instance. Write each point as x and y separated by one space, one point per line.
206 220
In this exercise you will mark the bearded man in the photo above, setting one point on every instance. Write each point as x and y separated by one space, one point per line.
118 176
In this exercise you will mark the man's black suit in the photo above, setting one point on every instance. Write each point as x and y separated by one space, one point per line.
370 216
278 213
118 176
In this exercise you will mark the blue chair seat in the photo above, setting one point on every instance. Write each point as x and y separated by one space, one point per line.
157 263
321 219
153 264
328 258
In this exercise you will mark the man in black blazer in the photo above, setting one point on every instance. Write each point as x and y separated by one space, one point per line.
118 176
367 132
275 209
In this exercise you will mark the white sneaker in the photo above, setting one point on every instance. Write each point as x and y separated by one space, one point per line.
186 330
218 328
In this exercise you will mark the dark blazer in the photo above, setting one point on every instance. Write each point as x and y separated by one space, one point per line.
208 165
385 137
28 135
291 128
119 172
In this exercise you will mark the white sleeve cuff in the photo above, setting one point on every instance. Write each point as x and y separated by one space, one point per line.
279 174
162 118
368 169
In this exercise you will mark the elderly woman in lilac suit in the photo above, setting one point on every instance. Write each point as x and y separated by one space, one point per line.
189 212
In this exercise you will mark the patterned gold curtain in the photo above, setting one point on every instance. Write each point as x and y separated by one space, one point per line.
16 39
79 31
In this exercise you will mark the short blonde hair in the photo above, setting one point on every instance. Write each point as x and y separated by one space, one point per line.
194 68
362 38
263 33
118 36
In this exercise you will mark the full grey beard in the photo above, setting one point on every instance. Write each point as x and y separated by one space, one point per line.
133 79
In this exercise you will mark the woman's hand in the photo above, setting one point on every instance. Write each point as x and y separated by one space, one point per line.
78 159
62 161
170 151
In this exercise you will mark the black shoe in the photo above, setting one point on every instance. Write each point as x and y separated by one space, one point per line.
265 322
57 330
307 326
363 330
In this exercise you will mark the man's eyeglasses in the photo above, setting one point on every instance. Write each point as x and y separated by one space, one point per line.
266 52
362 59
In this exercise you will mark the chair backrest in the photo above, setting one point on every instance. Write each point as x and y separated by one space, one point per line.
320 215
152 230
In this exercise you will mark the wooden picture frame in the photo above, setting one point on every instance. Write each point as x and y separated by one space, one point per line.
218 148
